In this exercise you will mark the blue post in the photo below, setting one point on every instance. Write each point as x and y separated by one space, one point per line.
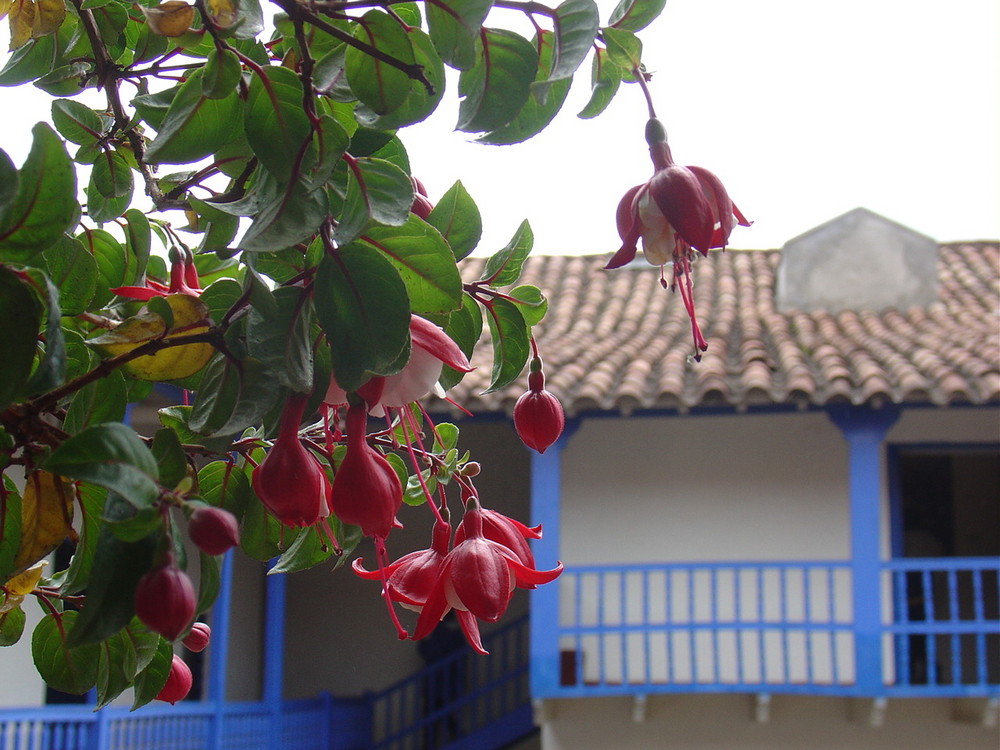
218 652
274 651
544 618
864 430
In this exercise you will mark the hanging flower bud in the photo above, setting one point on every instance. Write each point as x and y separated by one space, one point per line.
538 415
366 490
178 683
164 601
213 530
198 637
290 480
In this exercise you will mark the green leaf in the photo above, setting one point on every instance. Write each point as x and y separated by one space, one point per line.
137 242
307 550
170 457
112 263
45 205
497 86
276 125
51 370
454 29
510 342
11 626
260 532
209 582
419 102
456 216
116 667
282 340
504 267
104 400
8 181
21 316
76 122
624 48
376 83
29 62
362 305
233 396
117 568
465 327
605 78
633 15
111 175
386 190
110 455
150 681
63 666
292 215
576 23
10 515
539 109
194 125
101 210
221 484
222 72
424 263
177 417
74 271
331 141
92 499
531 302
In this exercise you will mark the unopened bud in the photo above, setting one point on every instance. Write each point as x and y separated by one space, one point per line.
165 601
538 418
178 683
197 640
213 530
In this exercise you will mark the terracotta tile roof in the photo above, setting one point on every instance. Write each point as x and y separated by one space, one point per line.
615 340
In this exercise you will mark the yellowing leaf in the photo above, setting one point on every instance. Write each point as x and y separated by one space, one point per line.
189 317
222 12
21 16
4 7
46 514
49 15
172 18
24 583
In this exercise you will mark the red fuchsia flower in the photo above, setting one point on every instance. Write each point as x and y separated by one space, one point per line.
164 601
183 280
431 349
178 683
411 578
198 637
678 211
476 580
538 415
213 530
366 490
506 531
290 480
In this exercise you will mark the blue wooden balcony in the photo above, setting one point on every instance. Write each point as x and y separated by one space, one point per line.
770 627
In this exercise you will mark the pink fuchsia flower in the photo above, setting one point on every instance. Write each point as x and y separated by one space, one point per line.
410 579
678 211
476 580
538 415
290 481
506 531
366 490
431 349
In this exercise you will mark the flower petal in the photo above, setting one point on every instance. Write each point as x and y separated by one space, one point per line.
434 340
629 228
467 621
680 197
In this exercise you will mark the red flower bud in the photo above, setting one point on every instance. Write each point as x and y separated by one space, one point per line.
538 417
164 601
290 480
366 490
197 640
213 530
178 683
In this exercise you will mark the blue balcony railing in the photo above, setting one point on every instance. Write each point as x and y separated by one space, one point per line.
773 627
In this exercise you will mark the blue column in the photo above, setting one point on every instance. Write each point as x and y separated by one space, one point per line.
218 651
544 617
864 430
274 643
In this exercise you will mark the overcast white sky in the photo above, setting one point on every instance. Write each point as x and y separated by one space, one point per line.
805 110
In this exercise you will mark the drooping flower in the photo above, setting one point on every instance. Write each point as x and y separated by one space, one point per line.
507 531
213 530
431 349
178 683
476 580
366 490
164 600
538 415
410 579
290 480
183 280
680 210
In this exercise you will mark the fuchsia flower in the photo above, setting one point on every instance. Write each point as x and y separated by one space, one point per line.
431 349
290 480
366 490
504 530
538 415
476 579
183 280
422 205
411 578
678 211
